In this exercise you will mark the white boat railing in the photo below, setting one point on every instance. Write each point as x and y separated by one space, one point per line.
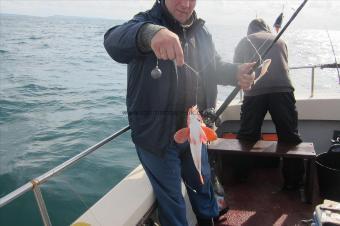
35 183
321 66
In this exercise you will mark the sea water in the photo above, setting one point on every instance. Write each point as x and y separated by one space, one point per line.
60 93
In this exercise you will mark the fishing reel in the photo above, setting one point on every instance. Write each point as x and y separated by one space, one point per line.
209 118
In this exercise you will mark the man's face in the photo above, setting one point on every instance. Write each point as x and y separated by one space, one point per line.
181 10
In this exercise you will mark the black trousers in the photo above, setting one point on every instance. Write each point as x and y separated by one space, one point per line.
282 109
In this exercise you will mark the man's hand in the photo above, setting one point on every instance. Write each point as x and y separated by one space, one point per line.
166 46
245 79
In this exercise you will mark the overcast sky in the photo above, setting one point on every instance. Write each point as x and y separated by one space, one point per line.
316 13
116 9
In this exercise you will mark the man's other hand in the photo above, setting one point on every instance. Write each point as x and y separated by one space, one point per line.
244 75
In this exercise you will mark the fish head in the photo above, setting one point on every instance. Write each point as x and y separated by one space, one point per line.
194 117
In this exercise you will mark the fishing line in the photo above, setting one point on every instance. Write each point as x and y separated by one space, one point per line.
197 77
156 73
186 51
196 90
191 68
83 202
257 51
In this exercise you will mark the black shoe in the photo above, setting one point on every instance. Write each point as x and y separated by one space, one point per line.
205 222
221 213
291 186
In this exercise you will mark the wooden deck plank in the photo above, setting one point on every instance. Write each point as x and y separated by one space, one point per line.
268 148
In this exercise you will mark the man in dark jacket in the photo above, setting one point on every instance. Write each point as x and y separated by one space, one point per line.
273 92
170 37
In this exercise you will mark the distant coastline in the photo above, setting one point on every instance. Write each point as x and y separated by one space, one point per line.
59 17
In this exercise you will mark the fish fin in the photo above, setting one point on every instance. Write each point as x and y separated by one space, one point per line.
203 139
210 133
201 179
181 135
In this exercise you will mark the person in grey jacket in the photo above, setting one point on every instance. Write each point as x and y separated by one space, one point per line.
273 93
155 45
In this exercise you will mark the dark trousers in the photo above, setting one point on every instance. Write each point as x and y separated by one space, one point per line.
165 174
281 107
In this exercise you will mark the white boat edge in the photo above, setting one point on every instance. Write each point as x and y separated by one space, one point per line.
127 203
129 200
306 108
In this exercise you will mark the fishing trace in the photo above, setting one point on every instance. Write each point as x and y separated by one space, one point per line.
263 64
82 200
156 73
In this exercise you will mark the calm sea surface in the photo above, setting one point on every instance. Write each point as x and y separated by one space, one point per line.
60 93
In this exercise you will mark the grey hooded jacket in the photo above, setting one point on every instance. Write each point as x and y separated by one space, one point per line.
259 37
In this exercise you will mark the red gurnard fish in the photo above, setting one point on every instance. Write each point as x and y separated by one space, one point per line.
197 133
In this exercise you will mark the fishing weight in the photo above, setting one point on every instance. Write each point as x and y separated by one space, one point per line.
156 73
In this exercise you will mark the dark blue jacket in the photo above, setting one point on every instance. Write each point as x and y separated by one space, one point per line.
152 104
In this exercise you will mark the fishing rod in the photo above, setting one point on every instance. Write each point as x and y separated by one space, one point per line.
237 88
336 62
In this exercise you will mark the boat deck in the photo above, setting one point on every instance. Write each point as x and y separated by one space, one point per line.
252 180
260 201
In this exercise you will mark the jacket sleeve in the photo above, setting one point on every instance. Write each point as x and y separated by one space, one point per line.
225 72
121 41
239 53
